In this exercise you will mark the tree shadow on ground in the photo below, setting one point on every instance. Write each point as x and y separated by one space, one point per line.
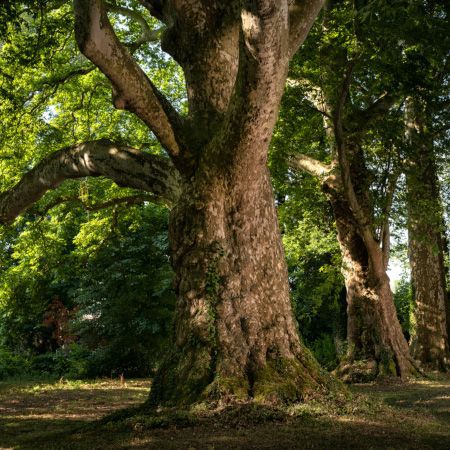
301 433
431 398
58 417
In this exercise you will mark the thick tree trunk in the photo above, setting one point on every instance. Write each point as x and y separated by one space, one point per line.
429 339
235 334
376 345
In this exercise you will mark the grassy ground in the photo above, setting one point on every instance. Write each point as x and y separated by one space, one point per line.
65 416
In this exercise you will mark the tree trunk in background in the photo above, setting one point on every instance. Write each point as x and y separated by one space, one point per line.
429 339
376 345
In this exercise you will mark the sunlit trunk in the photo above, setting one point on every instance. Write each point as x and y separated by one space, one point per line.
235 334
376 345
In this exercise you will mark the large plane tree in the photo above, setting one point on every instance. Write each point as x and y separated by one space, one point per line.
234 334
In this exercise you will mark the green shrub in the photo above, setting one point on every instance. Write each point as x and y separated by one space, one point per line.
12 364
324 349
70 361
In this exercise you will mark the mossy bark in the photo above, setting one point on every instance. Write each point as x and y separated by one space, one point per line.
233 317
235 336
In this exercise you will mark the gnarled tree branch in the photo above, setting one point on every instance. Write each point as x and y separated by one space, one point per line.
363 222
147 34
133 90
312 166
126 166
302 14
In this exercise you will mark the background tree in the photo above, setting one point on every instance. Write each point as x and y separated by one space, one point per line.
426 54
426 253
349 85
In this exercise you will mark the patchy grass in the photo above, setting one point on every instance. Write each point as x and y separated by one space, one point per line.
65 415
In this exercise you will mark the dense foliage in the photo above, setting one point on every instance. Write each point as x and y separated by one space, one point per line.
90 298
85 281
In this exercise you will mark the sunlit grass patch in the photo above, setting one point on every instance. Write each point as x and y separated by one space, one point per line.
67 414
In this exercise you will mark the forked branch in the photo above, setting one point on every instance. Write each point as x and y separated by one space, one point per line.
132 88
147 34
325 173
361 120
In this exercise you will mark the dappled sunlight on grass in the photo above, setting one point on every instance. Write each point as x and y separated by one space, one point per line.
30 411
64 415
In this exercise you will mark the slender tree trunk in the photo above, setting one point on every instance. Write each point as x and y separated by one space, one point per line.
429 339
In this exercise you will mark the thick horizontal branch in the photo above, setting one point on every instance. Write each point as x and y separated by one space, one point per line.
126 166
310 165
133 90
302 14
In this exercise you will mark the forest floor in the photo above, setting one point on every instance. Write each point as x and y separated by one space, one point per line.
65 415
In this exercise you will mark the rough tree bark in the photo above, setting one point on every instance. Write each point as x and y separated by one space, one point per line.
429 340
235 336
376 345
